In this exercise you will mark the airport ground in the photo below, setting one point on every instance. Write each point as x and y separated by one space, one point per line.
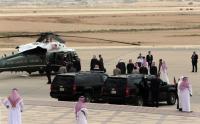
35 91
157 30
48 112
178 62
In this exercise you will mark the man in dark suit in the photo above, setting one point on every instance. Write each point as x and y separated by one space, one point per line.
48 72
159 66
155 85
153 69
122 66
149 58
101 63
194 58
143 70
93 62
130 67
77 64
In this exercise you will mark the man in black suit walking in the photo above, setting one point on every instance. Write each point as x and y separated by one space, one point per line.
194 58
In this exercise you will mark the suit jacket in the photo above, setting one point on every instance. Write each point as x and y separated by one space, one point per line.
194 58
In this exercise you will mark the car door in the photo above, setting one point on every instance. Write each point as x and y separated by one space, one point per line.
115 87
133 86
163 91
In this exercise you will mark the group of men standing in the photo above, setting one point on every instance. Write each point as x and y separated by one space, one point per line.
143 65
66 65
97 64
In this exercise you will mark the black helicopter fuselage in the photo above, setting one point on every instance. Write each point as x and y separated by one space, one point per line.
36 60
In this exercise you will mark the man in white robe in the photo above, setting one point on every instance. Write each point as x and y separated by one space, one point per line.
185 91
163 73
81 111
178 92
15 105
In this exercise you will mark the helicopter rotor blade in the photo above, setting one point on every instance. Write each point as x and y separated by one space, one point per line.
112 41
34 34
18 35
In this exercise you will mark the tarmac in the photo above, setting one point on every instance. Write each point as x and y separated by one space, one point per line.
54 112
41 109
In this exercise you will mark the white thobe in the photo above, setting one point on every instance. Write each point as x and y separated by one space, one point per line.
179 95
185 99
14 116
164 75
82 116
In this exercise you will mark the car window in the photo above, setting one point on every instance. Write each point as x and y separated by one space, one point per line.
133 81
115 82
89 79
63 80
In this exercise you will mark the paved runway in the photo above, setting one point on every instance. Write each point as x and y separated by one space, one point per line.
42 109
34 86
47 112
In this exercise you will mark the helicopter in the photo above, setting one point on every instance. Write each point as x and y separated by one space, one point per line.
48 48
32 57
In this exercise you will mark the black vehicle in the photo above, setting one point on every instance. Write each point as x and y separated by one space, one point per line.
135 89
167 92
70 86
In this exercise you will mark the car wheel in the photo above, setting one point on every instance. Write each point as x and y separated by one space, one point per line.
171 99
88 98
139 101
